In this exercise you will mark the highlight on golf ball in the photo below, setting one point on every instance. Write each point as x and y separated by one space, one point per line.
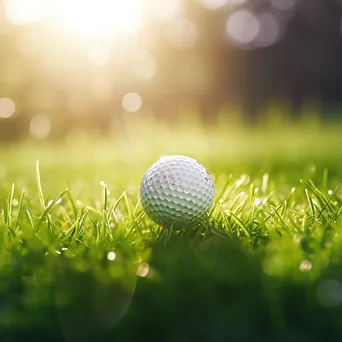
177 190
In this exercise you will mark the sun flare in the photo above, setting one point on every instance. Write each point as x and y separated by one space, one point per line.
115 18
101 17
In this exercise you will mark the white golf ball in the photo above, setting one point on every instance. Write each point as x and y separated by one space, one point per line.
177 190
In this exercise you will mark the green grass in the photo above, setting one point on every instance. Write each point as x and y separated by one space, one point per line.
265 267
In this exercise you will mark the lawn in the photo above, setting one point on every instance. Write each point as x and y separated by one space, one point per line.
81 262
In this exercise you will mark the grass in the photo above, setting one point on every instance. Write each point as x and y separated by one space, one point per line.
80 260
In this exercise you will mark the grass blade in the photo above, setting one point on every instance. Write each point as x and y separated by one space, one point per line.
39 186
19 208
239 223
47 209
9 206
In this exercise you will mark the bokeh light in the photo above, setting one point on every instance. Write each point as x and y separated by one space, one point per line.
7 107
145 69
143 269
269 31
218 4
182 32
213 4
283 5
305 266
73 56
243 27
164 10
111 256
329 292
143 66
132 102
40 127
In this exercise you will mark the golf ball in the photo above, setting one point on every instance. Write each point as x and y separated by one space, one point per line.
177 190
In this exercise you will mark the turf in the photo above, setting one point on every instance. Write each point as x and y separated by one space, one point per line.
81 261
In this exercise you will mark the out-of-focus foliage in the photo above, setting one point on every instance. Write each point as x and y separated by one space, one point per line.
68 64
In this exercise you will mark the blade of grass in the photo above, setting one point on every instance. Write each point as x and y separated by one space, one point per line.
72 202
312 207
39 186
19 208
9 207
220 196
47 209
239 223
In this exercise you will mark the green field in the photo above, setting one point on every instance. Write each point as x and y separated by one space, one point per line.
81 262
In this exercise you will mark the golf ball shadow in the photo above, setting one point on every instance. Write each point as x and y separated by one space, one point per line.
90 306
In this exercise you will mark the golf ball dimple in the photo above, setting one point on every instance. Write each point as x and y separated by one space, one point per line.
177 190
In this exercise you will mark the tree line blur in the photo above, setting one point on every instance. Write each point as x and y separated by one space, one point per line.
202 54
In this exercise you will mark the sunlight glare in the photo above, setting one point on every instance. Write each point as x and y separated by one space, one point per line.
20 12
100 17
182 32
99 55
164 11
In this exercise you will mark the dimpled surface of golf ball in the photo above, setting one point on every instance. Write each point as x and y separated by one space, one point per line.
177 190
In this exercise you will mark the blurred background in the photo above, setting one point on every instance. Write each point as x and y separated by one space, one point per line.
70 66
